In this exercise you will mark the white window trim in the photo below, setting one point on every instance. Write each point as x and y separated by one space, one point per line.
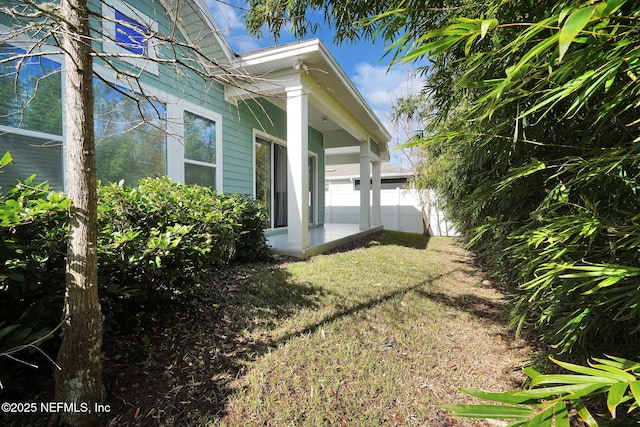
175 108
32 133
54 56
175 140
110 45
217 119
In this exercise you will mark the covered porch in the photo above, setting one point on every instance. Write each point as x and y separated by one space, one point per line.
305 82
321 239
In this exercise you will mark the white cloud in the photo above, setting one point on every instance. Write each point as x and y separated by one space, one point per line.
228 17
382 87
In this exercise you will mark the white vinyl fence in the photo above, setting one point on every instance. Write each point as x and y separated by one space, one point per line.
400 209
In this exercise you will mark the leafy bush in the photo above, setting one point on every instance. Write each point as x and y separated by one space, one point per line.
161 238
155 240
161 235
33 232
538 121
252 242
617 378
581 249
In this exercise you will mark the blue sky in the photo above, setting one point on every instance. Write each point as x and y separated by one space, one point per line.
361 62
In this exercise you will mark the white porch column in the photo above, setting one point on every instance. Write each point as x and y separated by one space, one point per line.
365 186
297 168
376 218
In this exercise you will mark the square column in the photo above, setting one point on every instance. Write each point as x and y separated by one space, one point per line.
297 168
376 217
365 186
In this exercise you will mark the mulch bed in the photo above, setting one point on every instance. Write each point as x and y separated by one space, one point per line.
168 368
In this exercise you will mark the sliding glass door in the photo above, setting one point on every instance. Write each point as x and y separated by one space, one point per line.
271 181
279 217
262 171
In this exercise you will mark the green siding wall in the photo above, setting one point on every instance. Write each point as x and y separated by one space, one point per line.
238 121
263 116
373 146
239 124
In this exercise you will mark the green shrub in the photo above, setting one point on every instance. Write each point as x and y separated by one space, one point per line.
155 240
33 235
160 233
252 217
163 236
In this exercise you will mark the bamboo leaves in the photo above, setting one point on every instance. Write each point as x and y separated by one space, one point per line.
572 27
545 60
547 401
439 41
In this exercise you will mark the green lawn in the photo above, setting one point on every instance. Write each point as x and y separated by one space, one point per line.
384 333
376 335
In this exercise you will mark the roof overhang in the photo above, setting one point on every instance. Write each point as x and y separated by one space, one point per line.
336 107
196 23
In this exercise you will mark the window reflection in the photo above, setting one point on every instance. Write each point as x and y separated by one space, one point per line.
131 141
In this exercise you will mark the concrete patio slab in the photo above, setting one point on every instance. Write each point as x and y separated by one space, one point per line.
323 239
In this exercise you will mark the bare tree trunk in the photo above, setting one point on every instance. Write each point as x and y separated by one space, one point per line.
80 381
425 209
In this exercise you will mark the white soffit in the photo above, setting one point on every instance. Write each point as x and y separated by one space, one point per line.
323 69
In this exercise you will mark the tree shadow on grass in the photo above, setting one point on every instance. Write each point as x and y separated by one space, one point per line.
187 362
479 307
182 365
385 238
185 366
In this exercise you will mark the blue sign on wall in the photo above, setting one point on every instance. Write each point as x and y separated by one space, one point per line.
131 35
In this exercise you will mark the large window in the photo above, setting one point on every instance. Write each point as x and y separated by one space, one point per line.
31 118
136 136
131 138
199 150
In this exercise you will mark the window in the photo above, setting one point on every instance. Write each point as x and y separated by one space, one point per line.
31 118
127 31
385 183
30 93
271 180
31 155
130 35
131 138
199 150
263 173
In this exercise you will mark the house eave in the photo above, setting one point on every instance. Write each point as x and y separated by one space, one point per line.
203 31
317 62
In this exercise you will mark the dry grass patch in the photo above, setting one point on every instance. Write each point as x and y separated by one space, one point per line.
377 334
395 327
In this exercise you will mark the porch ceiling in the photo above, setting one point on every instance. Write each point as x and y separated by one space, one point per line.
336 108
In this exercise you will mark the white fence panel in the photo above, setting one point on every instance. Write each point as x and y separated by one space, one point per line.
400 209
